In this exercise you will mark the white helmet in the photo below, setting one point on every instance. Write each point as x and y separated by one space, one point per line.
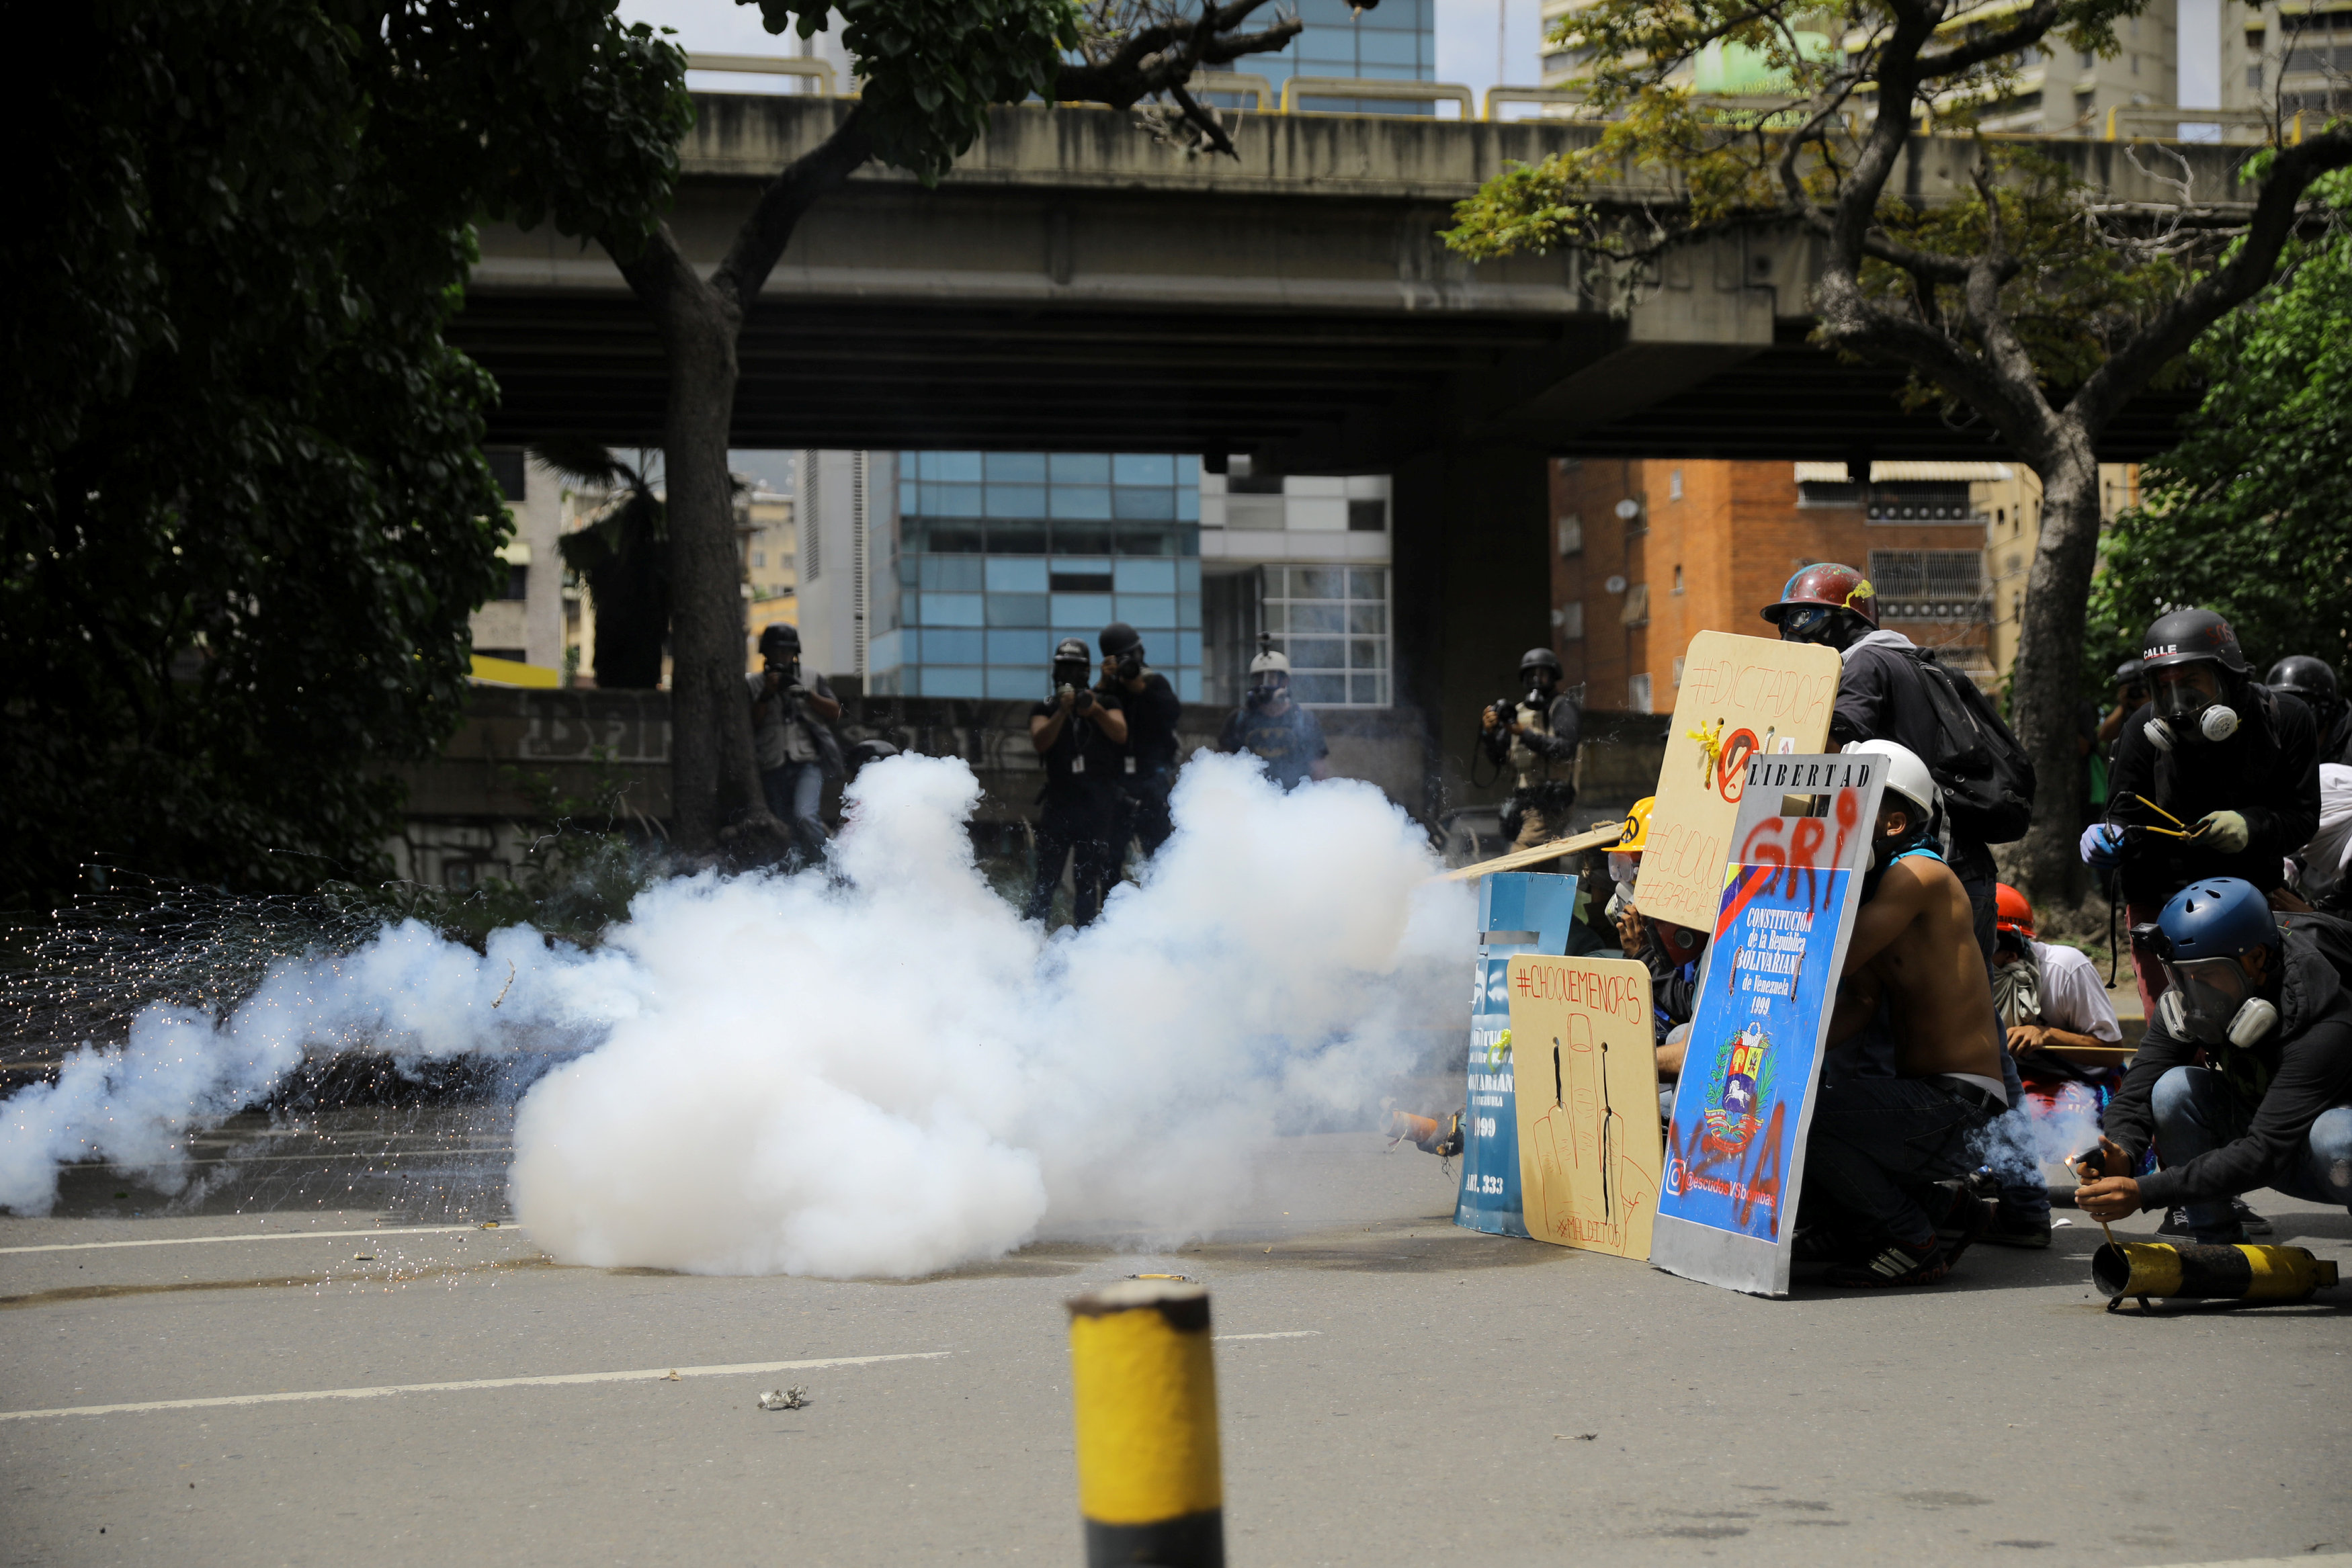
1905 775
1270 659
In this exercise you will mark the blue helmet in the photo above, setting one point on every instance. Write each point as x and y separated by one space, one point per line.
2218 917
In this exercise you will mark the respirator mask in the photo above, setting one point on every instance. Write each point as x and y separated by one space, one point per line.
2185 713
1624 868
2212 1002
1073 676
1263 692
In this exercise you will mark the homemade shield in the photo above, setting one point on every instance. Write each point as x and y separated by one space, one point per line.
1736 1142
1587 1096
1741 697
1518 912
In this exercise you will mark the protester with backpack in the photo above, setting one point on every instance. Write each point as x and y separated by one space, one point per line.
2215 776
1890 689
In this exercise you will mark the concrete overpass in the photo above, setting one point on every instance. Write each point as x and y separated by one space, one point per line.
1074 285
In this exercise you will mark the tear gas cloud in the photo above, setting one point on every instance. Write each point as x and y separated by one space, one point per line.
882 1072
2022 1139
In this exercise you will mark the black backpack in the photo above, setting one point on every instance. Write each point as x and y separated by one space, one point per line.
1986 778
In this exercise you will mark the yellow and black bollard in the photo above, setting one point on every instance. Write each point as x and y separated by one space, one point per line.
2146 1269
1144 1387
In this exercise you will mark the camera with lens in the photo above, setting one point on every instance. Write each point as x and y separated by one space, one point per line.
1130 664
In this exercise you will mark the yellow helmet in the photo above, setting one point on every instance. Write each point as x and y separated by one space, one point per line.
1637 827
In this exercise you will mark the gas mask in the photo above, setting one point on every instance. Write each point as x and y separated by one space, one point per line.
2212 1002
1070 675
2185 714
1265 690
1624 868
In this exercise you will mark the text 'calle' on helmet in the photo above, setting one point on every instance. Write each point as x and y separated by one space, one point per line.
2185 636
1905 775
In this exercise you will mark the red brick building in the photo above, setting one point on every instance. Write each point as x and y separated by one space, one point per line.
1648 553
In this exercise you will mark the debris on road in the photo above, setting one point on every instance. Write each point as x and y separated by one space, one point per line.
672 1376
791 1398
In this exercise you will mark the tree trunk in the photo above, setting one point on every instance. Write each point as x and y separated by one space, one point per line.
706 658
2045 693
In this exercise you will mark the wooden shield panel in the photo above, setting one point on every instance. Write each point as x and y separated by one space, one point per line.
1741 697
1587 1072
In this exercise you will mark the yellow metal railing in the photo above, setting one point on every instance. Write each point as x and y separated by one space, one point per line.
1259 87
1296 88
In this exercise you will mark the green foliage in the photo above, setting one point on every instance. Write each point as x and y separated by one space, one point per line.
242 512
2248 515
931 68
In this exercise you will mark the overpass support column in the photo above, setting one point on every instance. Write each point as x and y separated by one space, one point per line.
1470 541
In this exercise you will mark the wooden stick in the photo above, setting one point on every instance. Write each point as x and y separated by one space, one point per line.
2103 1224
1519 858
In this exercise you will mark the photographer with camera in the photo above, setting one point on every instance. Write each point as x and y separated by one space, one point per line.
1081 733
793 741
1147 771
1269 725
2131 691
1535 736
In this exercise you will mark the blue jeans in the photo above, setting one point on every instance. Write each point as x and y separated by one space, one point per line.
795 792
2195 1113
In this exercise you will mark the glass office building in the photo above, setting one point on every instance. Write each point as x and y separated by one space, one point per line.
1397 41
998 556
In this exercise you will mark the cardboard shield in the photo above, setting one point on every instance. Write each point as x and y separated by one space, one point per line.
1587 1096
1741 697
1518 912
1736 1142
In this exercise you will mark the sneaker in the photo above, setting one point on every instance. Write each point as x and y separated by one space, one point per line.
2255 1224
2177 1229
2012 1229
1824 1244
1895 1263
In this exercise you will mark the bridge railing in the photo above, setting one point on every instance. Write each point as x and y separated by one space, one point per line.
1296 88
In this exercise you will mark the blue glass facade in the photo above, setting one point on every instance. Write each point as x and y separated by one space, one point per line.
1395 42
998 556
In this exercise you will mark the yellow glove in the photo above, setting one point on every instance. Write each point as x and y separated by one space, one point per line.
2223 830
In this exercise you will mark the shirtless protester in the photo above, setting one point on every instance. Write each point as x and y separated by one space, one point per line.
1914 1070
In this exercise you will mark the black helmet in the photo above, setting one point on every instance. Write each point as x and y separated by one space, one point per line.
1118 637
2130 670
780 635
2311 679
1071 651
2187 635
1540 659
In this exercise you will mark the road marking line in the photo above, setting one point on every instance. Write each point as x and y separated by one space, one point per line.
1287 1334
259 1236
643 1374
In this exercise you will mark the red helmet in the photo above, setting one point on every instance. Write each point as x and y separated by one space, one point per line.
1828 584
2011 910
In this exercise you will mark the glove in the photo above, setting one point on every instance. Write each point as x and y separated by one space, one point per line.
2223 830
2102 845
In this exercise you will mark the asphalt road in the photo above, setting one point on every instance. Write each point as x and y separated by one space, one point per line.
1392 1389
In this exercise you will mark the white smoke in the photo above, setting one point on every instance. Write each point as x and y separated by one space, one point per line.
2025 1138
885 1071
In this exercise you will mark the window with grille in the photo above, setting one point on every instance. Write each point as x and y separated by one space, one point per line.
1333 623
1937 584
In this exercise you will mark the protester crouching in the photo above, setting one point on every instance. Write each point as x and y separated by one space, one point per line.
1081 734
1913 1076
793 742
2215 776
2259 999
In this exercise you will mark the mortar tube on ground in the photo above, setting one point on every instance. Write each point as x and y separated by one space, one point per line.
1143 1391
2209 1273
